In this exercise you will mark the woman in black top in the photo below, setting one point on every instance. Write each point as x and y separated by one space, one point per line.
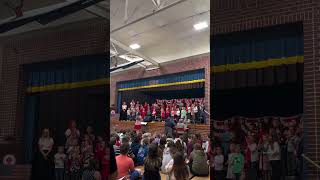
152 164
43 165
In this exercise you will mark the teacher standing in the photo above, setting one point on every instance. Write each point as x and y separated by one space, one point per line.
45 163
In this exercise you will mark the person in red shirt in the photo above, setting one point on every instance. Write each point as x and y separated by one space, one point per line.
137 124
143 112
154 113
125 164
163 114
167 112
146 106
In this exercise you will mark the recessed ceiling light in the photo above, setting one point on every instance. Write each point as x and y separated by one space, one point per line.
200 25
134 46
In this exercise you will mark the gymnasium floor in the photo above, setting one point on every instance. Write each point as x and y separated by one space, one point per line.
164 177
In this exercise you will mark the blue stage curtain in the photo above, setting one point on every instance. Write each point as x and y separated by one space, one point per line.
178 77
76 69
257 45
29 123
119 102
282 41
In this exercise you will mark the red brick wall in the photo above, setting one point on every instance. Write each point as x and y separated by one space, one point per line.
239 15
181 65
81 38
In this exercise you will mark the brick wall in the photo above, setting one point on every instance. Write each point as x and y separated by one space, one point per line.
181 65
81 38
239 15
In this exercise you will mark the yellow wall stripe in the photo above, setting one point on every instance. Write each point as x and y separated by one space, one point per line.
64 86
163 85
257 64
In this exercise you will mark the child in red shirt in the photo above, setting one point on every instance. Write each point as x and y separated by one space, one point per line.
167 112
137 125
143 113
163 114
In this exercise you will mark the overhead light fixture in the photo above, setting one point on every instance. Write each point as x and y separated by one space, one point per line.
131 57
151 68
201 25
134 46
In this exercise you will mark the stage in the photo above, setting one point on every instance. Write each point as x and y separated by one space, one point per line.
158 127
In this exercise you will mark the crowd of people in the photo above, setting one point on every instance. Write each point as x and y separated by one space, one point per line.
267 148
147 156
84 156
186 109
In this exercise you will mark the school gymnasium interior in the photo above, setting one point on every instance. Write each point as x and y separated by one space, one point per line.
52 70
160 58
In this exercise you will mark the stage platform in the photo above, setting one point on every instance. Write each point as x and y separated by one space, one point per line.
158 127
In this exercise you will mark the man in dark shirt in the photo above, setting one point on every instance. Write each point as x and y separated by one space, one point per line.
168 127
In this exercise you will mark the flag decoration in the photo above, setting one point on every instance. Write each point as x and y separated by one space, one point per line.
245 122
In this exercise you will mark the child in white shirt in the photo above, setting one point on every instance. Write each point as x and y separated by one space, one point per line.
59 161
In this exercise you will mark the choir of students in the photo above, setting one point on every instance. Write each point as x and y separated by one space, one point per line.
267 149
187 109
82 157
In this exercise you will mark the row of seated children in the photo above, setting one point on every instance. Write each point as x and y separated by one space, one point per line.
176 158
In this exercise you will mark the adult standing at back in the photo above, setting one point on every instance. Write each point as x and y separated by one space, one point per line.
123 113
44 168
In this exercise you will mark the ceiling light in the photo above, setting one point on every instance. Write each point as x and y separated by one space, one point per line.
131 57
200 25
152 68
134 46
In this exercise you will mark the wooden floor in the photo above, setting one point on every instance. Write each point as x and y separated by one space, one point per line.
164 176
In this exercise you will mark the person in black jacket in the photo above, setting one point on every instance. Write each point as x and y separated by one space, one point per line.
169 126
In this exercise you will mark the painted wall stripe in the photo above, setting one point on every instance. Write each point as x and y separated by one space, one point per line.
65 86
163 85
257 64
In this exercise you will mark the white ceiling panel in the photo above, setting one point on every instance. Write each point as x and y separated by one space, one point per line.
167 35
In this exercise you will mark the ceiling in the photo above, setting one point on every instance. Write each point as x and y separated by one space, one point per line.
164 36
32 7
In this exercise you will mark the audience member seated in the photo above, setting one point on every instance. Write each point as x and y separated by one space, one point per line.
180 127
125 164
152 164
178 170
91 172
198 161
168 153
143 152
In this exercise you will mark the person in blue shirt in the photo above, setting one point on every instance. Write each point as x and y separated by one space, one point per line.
135 146
143 152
